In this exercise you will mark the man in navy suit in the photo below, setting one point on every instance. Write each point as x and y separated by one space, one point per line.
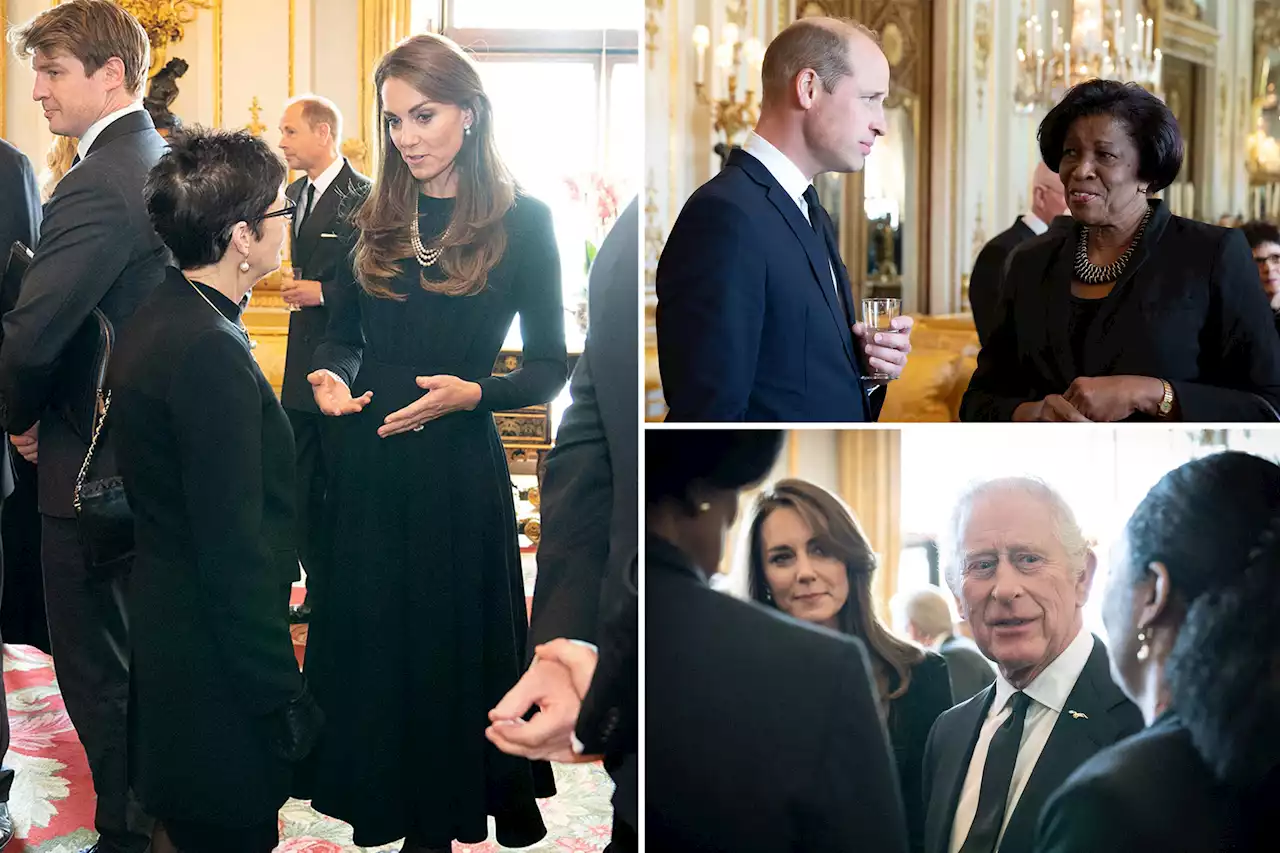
755 314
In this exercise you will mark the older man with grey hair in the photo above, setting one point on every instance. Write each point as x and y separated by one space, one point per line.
926 616
1021 569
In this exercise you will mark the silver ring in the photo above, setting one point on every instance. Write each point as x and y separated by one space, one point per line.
418 428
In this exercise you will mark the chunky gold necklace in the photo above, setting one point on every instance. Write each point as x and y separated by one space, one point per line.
426 257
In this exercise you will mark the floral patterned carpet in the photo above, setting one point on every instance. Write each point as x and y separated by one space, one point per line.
52 798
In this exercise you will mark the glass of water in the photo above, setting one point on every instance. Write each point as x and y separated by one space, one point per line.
878 314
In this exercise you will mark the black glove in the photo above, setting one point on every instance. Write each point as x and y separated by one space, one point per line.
295 728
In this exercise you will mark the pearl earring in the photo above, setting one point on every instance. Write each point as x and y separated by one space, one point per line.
704 507
466 130
1144 650
244 265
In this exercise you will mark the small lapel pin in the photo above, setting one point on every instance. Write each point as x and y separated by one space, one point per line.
1076 715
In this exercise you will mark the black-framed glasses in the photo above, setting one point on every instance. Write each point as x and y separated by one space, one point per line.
1266 259
287 210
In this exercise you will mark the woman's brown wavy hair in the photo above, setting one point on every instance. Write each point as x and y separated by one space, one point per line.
835 526
439 69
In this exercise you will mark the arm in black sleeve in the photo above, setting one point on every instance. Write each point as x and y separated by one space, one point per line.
540 303
615 687
80 255
1242 326
928 696
20 210
710 315
1000 384
1082 817
342 349
216 405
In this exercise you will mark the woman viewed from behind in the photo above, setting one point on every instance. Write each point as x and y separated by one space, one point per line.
810 559
426 598
220 711
1190 612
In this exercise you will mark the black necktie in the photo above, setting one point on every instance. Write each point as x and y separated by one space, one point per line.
75 161
815 220
997 777
811 199
306 209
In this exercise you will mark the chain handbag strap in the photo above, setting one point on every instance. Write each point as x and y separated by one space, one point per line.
104 403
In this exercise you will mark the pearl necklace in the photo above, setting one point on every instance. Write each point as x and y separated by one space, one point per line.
1089 273
426 257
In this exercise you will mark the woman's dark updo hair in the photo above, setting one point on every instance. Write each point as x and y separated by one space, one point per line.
1215 525
725 459
207 182
1150 123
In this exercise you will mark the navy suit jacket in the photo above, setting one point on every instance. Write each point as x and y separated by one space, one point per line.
749 324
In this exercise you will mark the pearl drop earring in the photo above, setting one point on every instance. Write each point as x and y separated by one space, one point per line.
704 507
244 265
466 130
1144 650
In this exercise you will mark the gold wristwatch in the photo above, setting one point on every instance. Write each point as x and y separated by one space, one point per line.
1166 402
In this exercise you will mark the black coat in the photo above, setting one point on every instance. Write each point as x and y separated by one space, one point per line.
206 454
1188 309
762 733
988 268
911 717
19 222
749 326
97 249
1153 791
1108 717
319 249
969 669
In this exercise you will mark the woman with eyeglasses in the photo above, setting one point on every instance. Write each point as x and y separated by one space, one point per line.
1264 242
424 619
219 711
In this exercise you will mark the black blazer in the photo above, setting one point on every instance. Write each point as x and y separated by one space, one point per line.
97 249
763 734
1109 717
586 587
206 453
749 326
984 281
1188 309
1152 791
970 671
911 717
319 247
19 222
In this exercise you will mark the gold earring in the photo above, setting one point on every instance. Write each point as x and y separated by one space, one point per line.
1144 650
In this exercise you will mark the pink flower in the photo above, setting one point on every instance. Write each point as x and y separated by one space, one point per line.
308 845
575 192
577 845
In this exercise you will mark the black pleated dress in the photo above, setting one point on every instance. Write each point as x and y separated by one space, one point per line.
423 625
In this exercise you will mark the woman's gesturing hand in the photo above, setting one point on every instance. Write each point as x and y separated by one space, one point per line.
333 396
445 394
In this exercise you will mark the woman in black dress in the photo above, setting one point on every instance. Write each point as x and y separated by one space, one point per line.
1190 612
1134 313
425 624
811 560
219 711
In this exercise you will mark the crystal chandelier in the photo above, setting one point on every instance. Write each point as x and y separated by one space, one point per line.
1099 45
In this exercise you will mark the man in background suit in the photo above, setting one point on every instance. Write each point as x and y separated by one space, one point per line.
925 616
19 221
97 249
587 588
309 132
755 317
1022 570
1048 201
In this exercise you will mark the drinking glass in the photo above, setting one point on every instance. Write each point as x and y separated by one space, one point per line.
877 314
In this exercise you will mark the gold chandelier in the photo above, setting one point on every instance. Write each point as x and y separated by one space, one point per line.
735 72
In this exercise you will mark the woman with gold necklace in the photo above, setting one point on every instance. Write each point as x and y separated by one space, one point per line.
1134 313
424 623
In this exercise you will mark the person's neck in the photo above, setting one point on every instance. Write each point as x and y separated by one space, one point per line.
1020 679
671 525
113 105
316 171
1153 690
224 277
443 185
1121 233
788 138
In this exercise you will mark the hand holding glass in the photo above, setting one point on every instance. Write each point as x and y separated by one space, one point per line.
878 315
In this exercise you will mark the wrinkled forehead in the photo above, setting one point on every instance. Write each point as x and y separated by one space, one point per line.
1008 516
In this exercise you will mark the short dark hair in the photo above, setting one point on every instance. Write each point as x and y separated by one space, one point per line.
207 182
92 31
810 44
725 459
1151 126
1258 231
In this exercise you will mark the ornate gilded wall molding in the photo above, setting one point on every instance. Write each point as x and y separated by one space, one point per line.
165 22
981 46
652 27
4 65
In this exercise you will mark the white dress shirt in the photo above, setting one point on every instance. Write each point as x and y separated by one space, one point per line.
86 141
790 178
1049 693
1035 223
322 183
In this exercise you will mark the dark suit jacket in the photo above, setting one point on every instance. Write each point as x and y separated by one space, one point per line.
1188 309
206 453
586 586
749 326
1152 791
19 222
316 257
984 281
970 671
97 249
1110 718
911 717
762 732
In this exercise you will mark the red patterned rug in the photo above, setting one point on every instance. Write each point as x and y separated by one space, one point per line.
52 799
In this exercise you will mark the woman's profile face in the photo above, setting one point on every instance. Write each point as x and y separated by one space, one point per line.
428 134
806 581
1099 170
266 254
1120 618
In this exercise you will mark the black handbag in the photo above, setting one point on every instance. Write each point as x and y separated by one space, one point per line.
103 517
